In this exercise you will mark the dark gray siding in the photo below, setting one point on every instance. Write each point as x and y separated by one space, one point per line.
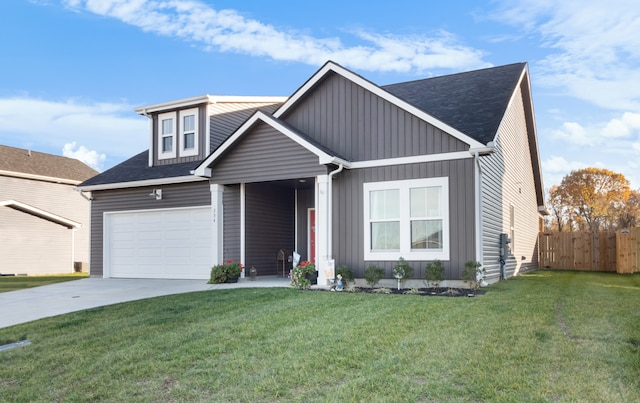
178 195
348 219
359 125
227 117
231 212
264 154
202 121
269 225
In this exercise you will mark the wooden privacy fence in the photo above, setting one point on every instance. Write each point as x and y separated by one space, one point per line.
617 252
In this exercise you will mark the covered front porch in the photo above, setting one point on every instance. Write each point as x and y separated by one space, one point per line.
253 222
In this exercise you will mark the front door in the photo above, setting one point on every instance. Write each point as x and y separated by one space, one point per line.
311 236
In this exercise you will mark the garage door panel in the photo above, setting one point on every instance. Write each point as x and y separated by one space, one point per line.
159 244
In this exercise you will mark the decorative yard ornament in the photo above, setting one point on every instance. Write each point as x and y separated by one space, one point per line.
339 283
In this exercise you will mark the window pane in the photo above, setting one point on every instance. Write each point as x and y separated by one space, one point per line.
384 204
167 144
385 235
167 126
189 141
189 124
426 234
425 202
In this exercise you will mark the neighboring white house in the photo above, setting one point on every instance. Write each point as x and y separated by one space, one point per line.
44 220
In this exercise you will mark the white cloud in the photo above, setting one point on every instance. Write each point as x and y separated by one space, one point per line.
229 31
573 133
114 129
90 157
623 127
595 46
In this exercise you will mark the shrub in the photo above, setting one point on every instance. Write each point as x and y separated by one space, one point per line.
402 270
222 272
345 272
434 274
373 274
470 274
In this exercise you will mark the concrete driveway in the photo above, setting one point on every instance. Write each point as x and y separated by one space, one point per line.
50 300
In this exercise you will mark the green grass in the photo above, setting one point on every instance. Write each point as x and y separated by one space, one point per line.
10 283
544 336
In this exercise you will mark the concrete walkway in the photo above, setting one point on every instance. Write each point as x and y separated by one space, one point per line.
50 300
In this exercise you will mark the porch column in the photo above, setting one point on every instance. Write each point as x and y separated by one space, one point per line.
216 223
324 262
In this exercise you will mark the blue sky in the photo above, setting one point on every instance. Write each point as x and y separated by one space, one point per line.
73 70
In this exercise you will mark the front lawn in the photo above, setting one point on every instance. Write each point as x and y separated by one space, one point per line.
10 283
544 336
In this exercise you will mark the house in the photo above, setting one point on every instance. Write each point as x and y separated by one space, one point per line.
344 171
43 218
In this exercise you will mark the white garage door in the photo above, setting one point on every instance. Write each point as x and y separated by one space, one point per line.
171 244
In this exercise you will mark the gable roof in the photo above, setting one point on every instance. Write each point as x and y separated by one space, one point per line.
325 155
136 172
473 102
332 67
29 164
25 208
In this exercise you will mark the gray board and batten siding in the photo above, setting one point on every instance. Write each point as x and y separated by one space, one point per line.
348 216
360 126
264 154
137 199
226 117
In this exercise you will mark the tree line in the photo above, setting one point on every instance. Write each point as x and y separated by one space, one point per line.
593 199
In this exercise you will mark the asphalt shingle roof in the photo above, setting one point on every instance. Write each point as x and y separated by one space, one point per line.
137 169
473 102
23 161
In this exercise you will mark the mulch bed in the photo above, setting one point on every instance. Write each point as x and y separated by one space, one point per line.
426 292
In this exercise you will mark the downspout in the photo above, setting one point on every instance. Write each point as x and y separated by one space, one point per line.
478 197
84 196
476 153
330 211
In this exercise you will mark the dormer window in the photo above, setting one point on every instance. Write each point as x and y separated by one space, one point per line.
167 138
189 132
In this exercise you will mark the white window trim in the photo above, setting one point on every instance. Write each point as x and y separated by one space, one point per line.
405 231
166 155
183 151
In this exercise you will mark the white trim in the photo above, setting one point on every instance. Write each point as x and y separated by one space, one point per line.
43 178
217 223
163 155
146 182
369 86
404 219
207 99
25 208
411 160
243 223
323 157
196 133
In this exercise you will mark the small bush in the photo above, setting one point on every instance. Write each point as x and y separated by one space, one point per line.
470 274
345 272
402 270
434 274
373 274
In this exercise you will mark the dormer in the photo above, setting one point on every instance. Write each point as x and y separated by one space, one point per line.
189 129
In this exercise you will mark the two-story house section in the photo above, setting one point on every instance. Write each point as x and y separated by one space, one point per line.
150 216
